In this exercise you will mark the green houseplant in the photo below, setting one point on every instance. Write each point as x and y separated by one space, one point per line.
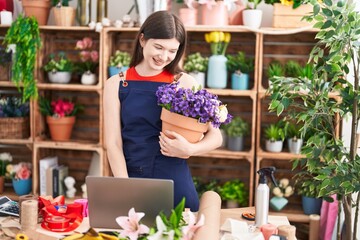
240 67
196 65
234 190
274 135
329 167
24 33
59 68
235 131
119 62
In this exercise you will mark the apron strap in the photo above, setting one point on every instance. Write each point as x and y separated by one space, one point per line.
122 79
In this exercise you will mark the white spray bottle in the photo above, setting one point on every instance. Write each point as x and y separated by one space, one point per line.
262 195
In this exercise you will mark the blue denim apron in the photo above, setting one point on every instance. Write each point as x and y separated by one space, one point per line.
140 129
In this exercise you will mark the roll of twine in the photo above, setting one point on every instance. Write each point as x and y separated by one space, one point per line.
29 215
288 231
24 198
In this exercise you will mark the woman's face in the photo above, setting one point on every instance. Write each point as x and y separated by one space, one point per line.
159 52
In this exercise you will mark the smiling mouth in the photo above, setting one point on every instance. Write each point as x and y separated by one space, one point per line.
158 62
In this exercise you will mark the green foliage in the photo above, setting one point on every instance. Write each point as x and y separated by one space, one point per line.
59 63
254 4
64 3
237 127
195 63
235 190
239 62
275 69
274 132
292 69
24 33
203 186
120 59
292 130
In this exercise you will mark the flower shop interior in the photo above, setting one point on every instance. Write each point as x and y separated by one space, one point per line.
287 71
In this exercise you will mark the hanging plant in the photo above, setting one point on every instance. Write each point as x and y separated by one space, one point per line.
24 33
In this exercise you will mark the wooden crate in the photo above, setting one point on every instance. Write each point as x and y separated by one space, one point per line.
287 17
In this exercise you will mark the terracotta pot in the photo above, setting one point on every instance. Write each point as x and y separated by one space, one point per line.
2 180
188 16
215 14
60 128
64 16
187 127
40 9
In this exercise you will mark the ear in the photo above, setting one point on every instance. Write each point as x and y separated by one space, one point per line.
142 40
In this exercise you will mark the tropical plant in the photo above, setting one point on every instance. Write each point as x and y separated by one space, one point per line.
274 133
195 63
275 69
58 63
329 168
239 63
234 190
24 33
237 127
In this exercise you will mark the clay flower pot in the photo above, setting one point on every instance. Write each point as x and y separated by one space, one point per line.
60 128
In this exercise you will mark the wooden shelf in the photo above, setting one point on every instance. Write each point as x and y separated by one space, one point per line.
78 145
221 153
16 141
279 156
234 93
68 87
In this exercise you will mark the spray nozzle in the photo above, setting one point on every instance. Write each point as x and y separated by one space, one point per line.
267 172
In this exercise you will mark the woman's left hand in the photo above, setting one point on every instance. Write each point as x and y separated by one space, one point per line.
176 146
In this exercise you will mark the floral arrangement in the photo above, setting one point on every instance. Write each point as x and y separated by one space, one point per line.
89 57
120 59
18 171
58 63
13 107
293 3
198 104
5 159
196 63
177 227
284 189
218 42
58 108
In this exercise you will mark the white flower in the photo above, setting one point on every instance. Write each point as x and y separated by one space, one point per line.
284 182
277 192
5 157
288 191
222 113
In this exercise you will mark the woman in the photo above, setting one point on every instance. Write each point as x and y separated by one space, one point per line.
136 147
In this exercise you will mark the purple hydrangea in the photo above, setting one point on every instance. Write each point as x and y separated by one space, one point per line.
198 104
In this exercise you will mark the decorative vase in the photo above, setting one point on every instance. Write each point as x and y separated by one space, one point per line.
115 70
278 203
188 16
199 77
189 128
60 128
22 186
40 9
2 181
83 12
215 14
240 81
88 78
217 72
252 18
59 77
64 16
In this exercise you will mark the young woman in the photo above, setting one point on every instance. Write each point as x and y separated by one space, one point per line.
136 147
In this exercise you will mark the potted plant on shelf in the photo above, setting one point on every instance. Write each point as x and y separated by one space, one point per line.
196 66
5 159
234 193
293 136
27 43
235 131
38 9
282 191
275 136
240 66
275 69
331 164
119 62
14 118
189 111
89 61
251 15
20 174
64 14
60 117
292 69
59 68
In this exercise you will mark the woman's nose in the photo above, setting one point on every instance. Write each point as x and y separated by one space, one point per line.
163 55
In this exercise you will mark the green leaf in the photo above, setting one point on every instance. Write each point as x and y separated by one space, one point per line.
327 24
327 12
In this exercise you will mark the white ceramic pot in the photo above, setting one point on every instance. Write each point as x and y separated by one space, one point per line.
59 77
252 18
199 77
88 78
275 146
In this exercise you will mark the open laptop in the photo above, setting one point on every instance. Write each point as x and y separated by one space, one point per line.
111 197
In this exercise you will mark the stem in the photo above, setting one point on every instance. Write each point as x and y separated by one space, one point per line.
347 213
356 215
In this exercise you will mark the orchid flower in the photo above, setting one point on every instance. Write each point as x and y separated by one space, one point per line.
131 225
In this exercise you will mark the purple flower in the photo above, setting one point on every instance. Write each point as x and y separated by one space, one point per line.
198 104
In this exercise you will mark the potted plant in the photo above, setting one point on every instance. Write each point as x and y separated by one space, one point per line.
191 121
20 174
251 15
275 136
60 117
292 69
234 193
235 131
330 166
64 14
89 61
5 159
293 136
188 12
196 66
38 9
203 186
14 118
280 192
119 62
274 69
59 68
27 43
239 66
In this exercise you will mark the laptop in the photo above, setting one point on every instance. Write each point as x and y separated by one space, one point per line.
111 197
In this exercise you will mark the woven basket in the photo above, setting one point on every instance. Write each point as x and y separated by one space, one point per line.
14 128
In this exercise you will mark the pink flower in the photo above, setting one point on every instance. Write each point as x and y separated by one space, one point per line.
62 108
80 45
190 229
87 42
94 56
131 226
84 56
23 172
